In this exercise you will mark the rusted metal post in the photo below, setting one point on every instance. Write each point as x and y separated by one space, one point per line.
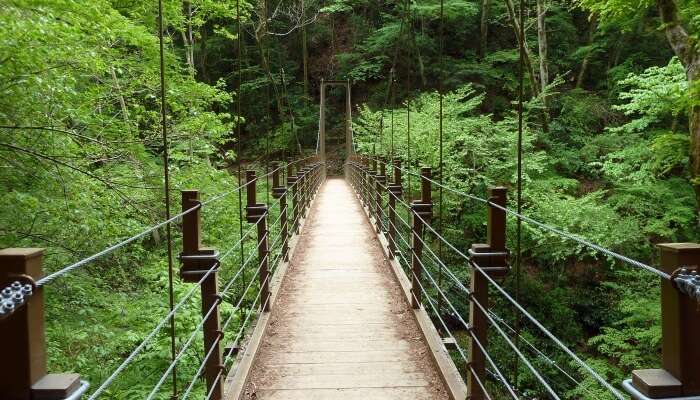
680 328
196 263
279 192
380 181
421 213
491 258
256 213
395 192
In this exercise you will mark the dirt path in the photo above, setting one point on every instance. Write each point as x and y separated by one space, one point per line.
342 329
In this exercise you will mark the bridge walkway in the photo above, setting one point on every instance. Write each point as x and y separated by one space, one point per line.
341 327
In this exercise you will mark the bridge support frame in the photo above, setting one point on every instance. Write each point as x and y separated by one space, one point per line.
348 117
421 213
196 262
680 328
491 258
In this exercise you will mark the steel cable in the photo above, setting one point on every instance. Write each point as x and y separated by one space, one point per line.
71 267
482 349
532 369
188 343
552 229
148 338
538 324
521 309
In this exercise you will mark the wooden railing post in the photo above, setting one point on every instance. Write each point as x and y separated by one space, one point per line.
490 257
23 367
395 192
421 210
279 191
364 173
680 328
196 262
371 188
256 213
380 182
304 189
292 183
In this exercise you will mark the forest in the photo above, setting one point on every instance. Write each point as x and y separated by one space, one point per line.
610 141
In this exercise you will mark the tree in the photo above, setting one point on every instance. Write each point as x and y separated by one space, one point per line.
675 23
542 47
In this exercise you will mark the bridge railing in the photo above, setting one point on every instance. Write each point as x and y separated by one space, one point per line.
23 370
441 284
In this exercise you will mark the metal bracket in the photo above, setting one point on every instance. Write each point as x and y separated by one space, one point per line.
395 190
278 191
15 295
424 210
494 261
687 281
195 266
254 213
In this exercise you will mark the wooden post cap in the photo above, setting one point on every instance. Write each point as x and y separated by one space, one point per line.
656 383
55 386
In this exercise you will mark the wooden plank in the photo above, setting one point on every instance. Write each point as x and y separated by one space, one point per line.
373 380
413 393
340 368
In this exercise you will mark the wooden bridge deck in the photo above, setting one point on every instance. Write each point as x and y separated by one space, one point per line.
341 327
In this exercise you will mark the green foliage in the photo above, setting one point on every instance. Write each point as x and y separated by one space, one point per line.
654 95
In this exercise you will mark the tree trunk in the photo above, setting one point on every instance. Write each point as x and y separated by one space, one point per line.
542 47
304 51
421 65
689 55
587 58
528 58
484 27
188 36
544 115
271 80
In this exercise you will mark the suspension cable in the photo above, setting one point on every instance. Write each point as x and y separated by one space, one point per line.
239 98
166 189
69 268
473 299
519 183
440 138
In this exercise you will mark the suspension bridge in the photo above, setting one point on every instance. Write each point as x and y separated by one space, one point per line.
342 287
344 295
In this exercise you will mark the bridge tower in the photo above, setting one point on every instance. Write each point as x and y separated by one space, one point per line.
322 117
